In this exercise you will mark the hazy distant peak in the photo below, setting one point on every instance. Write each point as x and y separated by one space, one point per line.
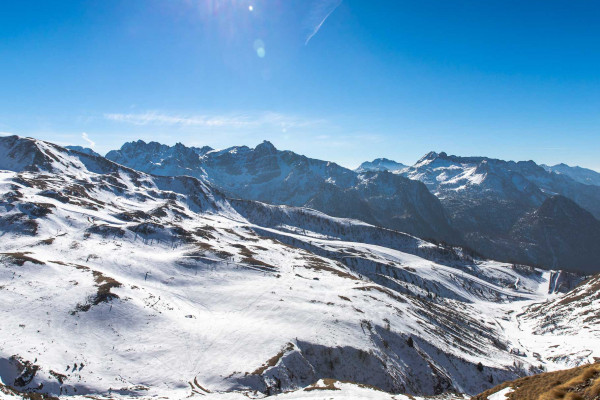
381 164
578 174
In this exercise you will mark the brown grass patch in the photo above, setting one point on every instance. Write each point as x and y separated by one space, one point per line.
244 251
48 241
317 264
248 258
205 232
258 263
578 293
329 384
59 377
37 210
382 290
581 383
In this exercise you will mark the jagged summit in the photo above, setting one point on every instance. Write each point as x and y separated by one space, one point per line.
432 155
266 147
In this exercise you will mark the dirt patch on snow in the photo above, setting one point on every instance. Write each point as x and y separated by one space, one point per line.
104 285
20 258
317 264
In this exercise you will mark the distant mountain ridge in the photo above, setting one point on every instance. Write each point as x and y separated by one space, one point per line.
491 202
581 175
381 164
284 177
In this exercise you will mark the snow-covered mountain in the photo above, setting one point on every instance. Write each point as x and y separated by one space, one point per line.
381 164
115 282
284 177
581 175
160 159
484 201
491 202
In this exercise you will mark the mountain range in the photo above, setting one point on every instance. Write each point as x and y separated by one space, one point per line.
119 282
284 177
497 208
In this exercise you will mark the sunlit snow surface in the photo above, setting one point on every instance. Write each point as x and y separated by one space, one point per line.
127 284
502 394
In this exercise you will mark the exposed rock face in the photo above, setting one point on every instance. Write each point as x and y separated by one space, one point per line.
560 233
156 158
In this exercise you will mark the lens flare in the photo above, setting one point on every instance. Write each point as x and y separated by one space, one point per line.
259 47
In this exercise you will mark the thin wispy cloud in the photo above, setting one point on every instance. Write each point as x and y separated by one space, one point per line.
212 121
89 141
6 134
319 14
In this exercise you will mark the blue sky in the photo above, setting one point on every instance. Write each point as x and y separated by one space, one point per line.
342 80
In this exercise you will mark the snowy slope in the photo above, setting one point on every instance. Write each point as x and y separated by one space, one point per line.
571 316
116 282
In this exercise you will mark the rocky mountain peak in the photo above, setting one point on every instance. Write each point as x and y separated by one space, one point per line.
432 155
560 207
265 147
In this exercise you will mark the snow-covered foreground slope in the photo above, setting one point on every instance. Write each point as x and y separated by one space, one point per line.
324 389
115 282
